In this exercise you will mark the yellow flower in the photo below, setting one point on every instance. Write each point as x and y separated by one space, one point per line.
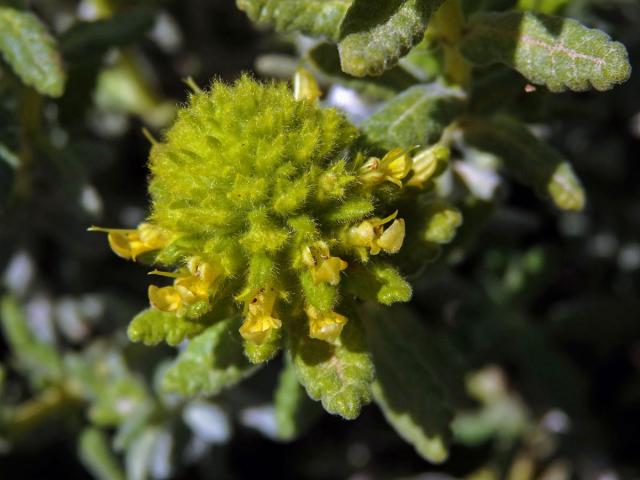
260 322
167 299
325 326
130 244
324 267
186 290
371 234
393 167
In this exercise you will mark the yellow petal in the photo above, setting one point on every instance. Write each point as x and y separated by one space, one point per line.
120 244
325 326
425 165
397 163
130 244
392 238
362 235
328 270
256 329
167 299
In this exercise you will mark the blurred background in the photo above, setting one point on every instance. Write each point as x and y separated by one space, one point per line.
544 305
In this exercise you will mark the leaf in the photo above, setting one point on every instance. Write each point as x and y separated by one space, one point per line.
339 375
527 158
294 410
417 116
312 17
37 359
91 39
324 57
544 6
557 52
406 389
152 326
377 282
31 51
8 165
212 361
376 33
117 397
96 455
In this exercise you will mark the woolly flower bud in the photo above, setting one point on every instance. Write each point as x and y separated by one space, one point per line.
252 192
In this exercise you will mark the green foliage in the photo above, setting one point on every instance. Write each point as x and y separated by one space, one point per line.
294 410
417 116
375 34
406 389
529 159
37 359
313 17
556 52
338 375
95 453
211 362
152 326
380 282
27 46
326 60
95 38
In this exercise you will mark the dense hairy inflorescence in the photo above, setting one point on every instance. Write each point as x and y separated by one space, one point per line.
263 205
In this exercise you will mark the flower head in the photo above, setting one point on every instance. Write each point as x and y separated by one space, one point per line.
261 204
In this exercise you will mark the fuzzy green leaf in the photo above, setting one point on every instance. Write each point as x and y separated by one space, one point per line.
339 375
527 158
417 116
557 52
313 17
31 51
152 326
407 390
212 361
95 453
378 282
294 410
376 33
326 60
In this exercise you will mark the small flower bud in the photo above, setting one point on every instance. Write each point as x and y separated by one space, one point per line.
426 163
393 167
305 86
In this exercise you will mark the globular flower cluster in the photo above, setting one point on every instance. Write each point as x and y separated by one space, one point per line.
263 204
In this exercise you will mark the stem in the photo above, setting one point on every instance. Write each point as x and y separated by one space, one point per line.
38 411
